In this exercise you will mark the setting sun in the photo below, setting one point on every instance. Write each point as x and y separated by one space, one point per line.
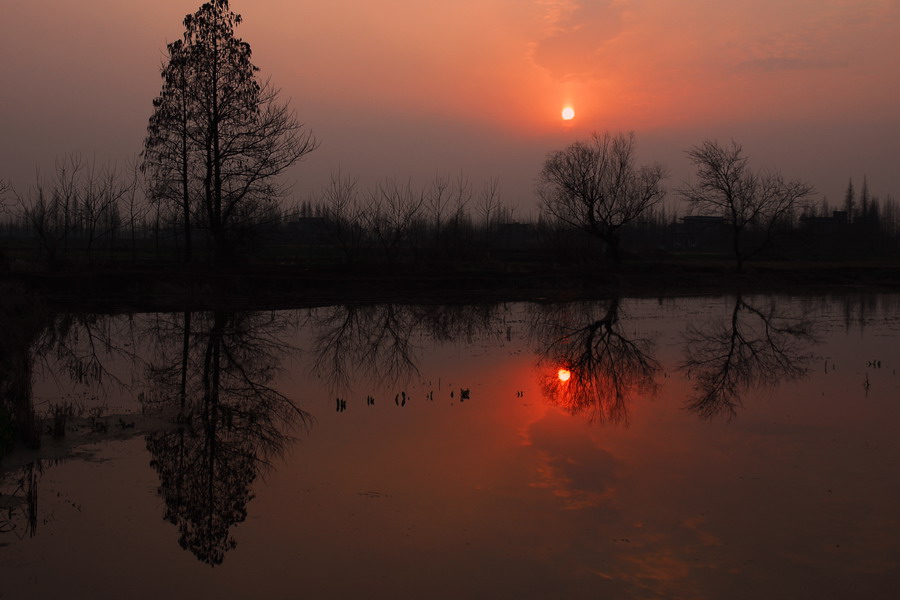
568 113
564 375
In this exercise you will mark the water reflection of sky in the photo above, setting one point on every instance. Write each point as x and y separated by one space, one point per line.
507 494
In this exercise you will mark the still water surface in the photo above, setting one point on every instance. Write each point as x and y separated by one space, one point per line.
732 447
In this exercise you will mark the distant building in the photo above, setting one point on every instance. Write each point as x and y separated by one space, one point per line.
825 225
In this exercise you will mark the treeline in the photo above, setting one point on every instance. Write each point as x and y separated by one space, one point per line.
862 222
85 213
99 214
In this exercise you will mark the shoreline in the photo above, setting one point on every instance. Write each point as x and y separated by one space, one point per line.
260 287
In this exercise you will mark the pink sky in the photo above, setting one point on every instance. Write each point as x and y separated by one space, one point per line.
411 88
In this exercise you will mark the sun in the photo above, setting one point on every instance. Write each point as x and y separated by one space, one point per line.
564 375
568 113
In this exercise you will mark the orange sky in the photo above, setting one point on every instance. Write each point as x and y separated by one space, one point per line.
409 88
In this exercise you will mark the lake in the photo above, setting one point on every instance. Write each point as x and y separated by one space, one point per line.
711 447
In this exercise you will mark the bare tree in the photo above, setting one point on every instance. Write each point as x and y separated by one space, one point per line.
5 187
492 213
98 215
168 151
596 186
344 214
753 204
444 226
50 207
217 126
136 209
490 206
391 212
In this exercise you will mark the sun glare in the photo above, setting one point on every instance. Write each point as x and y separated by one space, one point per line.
568 113
564 375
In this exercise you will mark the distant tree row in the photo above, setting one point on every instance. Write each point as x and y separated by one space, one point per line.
92 213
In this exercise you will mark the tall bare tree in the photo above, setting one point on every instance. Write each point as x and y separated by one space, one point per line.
392 210
596 186
218 138
5 187
754 204
345 215
168 151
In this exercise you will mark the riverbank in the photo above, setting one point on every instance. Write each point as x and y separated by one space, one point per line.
154 287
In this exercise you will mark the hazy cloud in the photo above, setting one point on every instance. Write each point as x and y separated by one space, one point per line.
832 38
783 63
578 29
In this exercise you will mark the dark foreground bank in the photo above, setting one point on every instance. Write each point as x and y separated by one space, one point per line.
147 287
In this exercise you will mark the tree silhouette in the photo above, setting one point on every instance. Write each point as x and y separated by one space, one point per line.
5 187
19 513
605 368
232 423
168 148
218 137
21 324
757 347
375 338
379 341
849 199
595 186
754 205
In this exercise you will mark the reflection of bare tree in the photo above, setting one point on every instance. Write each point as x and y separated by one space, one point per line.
20 326
378 340
18 500
605 368
18 422
374 338
757 347
74 349
232 421
83 345
467 322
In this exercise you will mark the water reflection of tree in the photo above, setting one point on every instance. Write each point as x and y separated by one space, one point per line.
375 338
21 323
378 341
450 323
215 372
607 367
757 347
74 349
19 499
83 346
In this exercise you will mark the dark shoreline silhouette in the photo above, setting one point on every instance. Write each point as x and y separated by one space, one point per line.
149 287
